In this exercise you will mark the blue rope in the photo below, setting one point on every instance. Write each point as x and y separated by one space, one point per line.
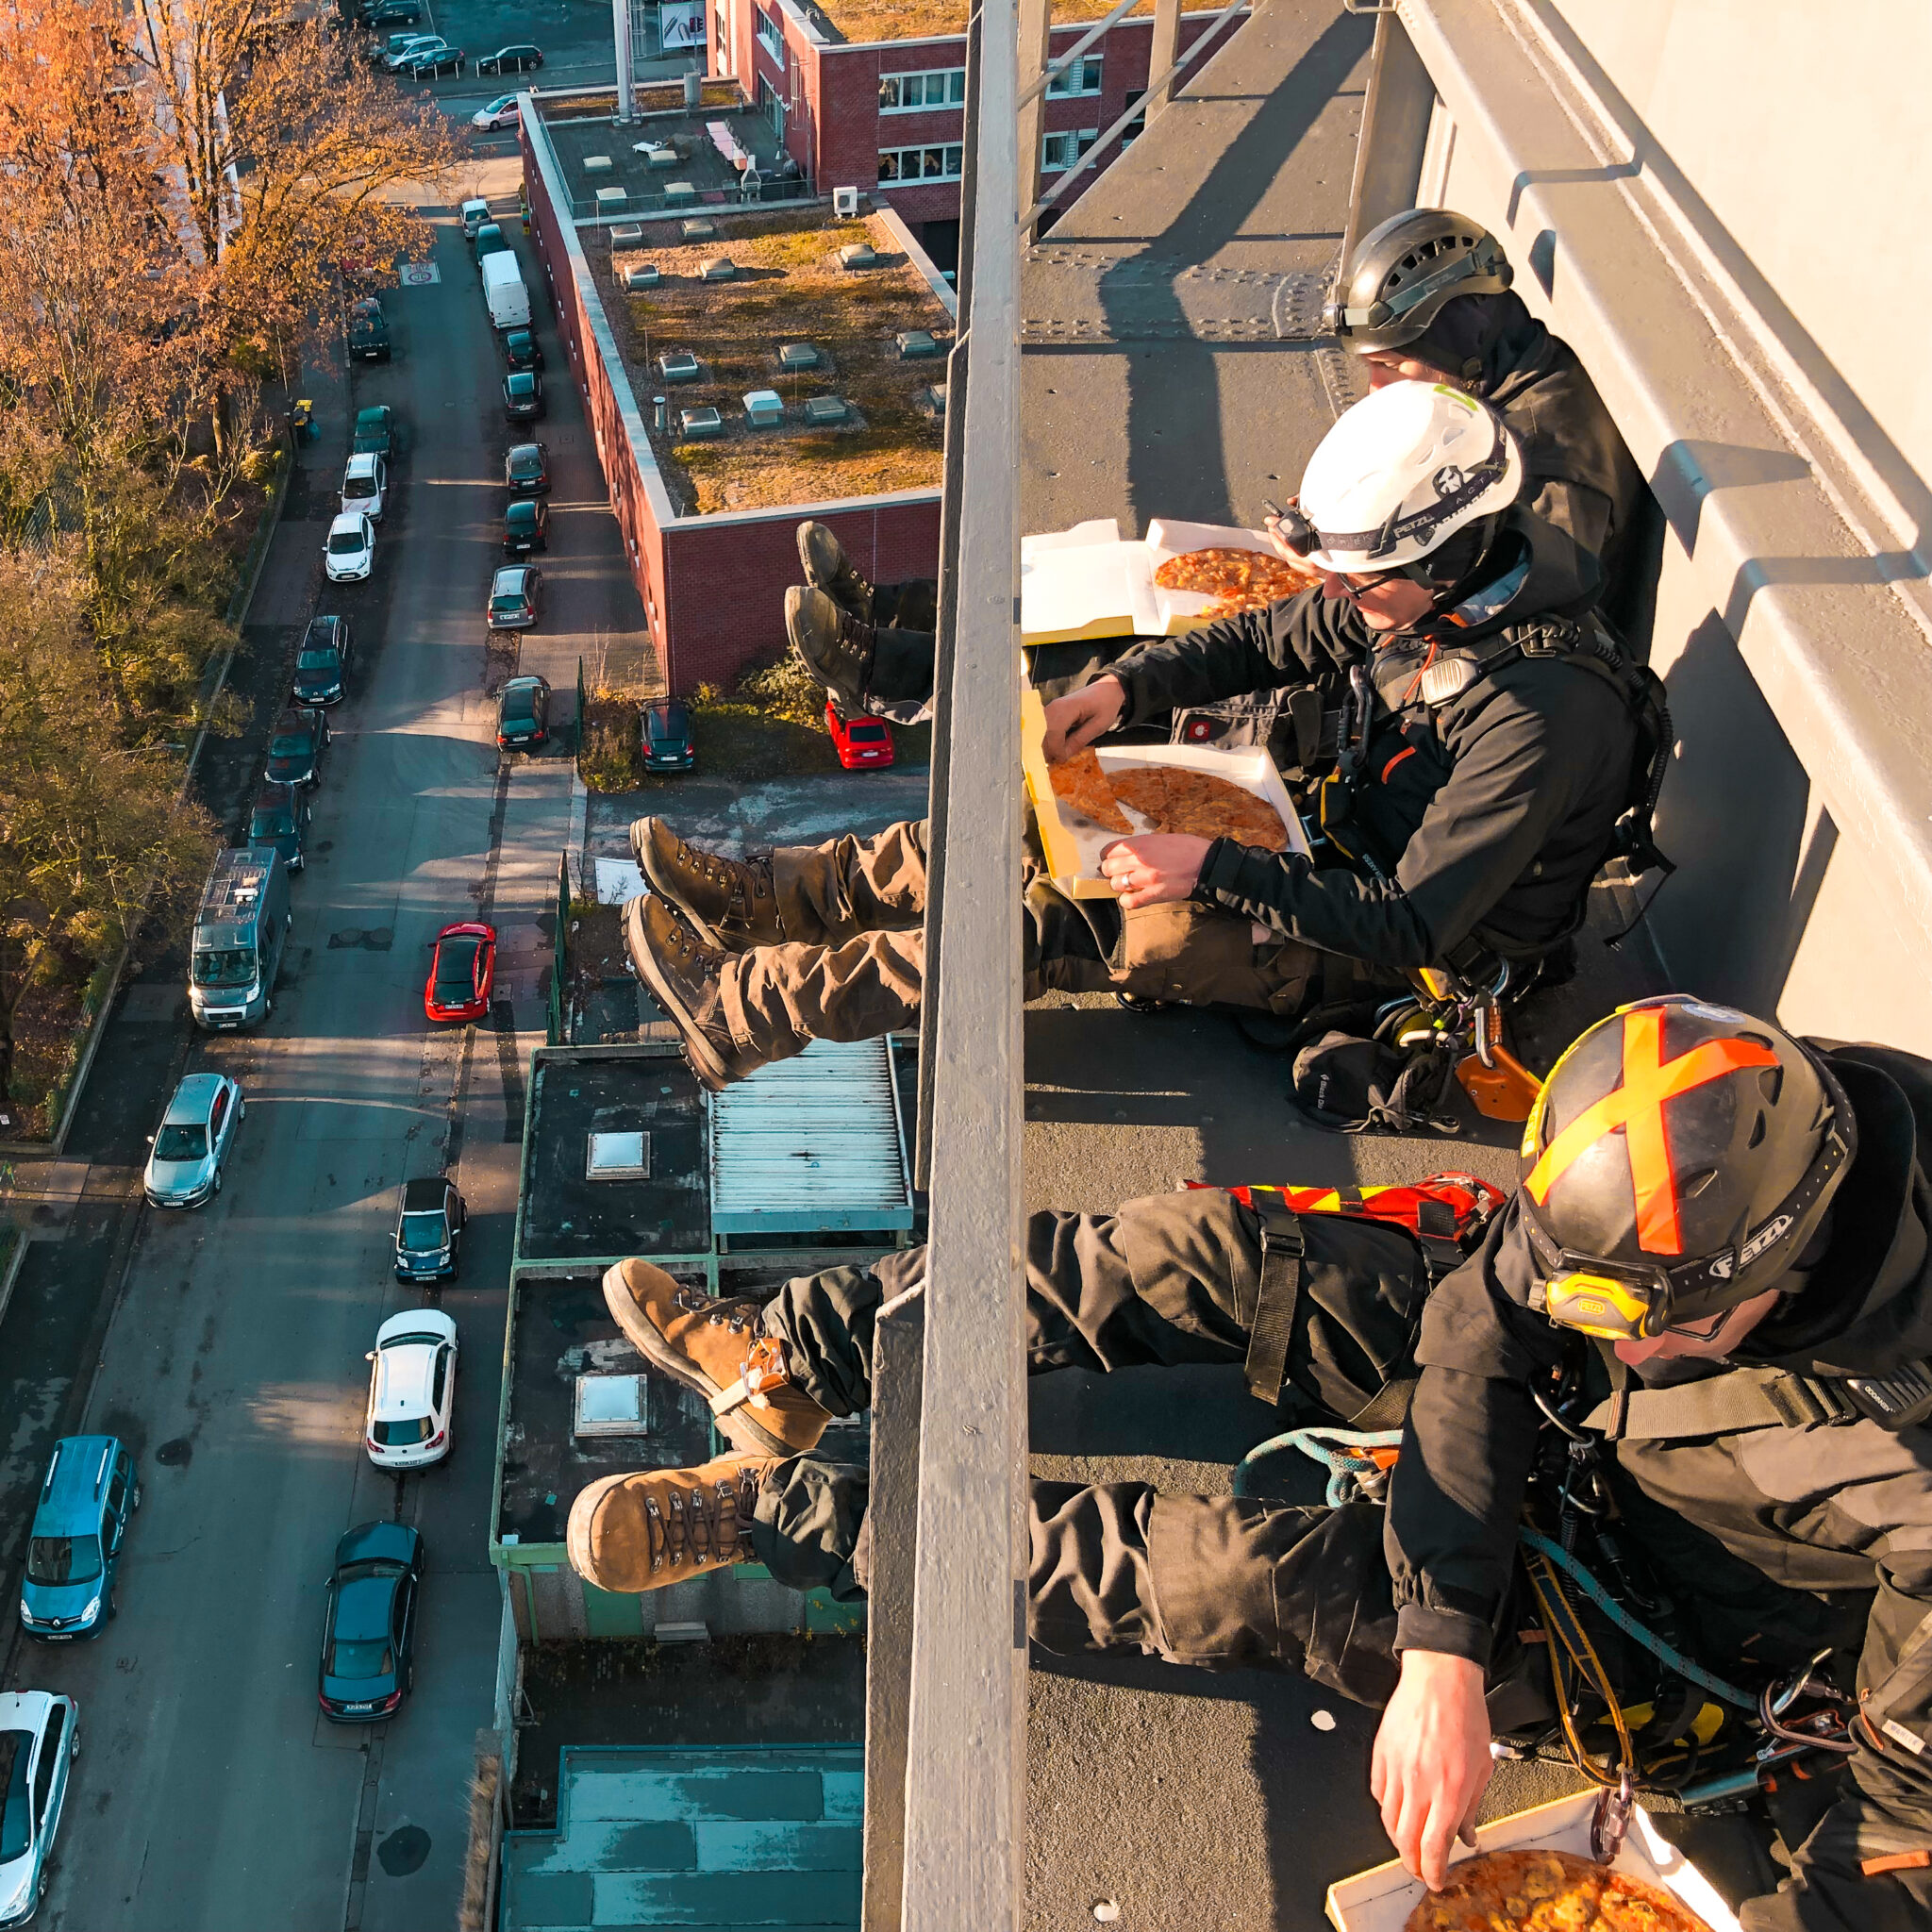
1672 1660
1345 1472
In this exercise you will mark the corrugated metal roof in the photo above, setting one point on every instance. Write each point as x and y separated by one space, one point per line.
811 1145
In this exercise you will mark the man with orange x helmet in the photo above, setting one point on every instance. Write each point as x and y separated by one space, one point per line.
1719 1265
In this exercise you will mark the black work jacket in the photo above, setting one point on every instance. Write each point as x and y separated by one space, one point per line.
1489 815
1841 1515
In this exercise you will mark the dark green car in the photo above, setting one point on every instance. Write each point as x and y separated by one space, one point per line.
279 817
526 529
375 432
522 350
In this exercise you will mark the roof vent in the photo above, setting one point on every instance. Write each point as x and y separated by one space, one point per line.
931 401
765 409
618 1156
702 426
641 275
798 356
859 254
678 365
627 235
610 201
700 228
916 344
611 1405
657 154
721 268
596 164
826 409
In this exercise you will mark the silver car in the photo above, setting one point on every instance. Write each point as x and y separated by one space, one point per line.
40 1738
184 1166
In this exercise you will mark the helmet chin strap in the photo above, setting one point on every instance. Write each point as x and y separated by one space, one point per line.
1471 580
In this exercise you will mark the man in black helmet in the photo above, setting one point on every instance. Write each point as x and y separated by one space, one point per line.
1426 297
1719 1267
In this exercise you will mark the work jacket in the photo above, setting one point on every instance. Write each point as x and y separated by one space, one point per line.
1484 816
1838 1516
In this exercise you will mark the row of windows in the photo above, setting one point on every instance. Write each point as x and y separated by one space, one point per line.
767 30
942 163
1076 77
943 88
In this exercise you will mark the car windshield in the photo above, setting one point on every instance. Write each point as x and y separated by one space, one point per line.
405 1434
371 422
520 706
355 1658
503 101
424 1233
866 734
522 384
455 967
16 1830
358 487
52 1559
290 744
271 822
317 661
345 542
229 966
181 1142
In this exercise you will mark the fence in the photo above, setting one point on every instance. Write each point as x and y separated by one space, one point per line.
560 946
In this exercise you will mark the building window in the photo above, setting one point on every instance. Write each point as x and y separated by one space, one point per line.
1075 77
899 93
1138 125
724 38
1059 152
769 39
937 164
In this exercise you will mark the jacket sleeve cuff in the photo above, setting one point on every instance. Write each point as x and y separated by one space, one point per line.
1418 1627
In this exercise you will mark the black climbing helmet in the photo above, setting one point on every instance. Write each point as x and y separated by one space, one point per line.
1679 1158
1404 268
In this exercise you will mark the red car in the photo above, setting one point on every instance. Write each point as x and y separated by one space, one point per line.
462 970
858 741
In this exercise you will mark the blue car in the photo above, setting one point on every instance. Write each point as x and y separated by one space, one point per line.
74 1548
369 1628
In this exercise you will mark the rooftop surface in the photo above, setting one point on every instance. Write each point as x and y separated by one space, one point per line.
694 158
910 19
789 287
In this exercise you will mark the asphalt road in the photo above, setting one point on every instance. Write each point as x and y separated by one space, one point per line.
211 1795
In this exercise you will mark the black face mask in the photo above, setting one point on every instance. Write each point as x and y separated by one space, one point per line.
1462 340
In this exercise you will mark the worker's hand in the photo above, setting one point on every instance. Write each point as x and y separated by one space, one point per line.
1155 867
1080 717
1432 1760
1272 527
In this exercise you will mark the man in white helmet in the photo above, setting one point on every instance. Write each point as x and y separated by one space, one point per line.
1489 758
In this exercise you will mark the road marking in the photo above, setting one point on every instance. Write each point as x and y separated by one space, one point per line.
420 274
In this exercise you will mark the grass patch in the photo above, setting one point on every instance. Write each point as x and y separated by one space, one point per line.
610 758
908 20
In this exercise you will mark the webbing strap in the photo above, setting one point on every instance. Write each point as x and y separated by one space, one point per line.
1389 1409
1722 1405
1279 1289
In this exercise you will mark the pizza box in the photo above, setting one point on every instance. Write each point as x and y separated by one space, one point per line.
1088 582
1381 1900
1074 847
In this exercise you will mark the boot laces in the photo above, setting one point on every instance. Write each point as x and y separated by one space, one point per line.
700 1525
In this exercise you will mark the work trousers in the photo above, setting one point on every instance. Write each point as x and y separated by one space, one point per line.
1211 1580
852 965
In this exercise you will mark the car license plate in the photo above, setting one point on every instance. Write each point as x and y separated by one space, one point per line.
359 1706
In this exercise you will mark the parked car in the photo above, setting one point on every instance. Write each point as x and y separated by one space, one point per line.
431 62
526 527
413 1390
669 741
397 47
406 48
430 1215
351 552
279 818
527 468
490 239
393 13
473 213
375 431
321 665
186 1153
858 741
501 112
368 330
523 714
74 1548
40 1739
366 485
523 395
369 1626
522 350
519 60
515 592
462 971
294 753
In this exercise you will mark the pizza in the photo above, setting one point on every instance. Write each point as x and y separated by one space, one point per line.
1079 783
1236 579
1179 800
1548 1892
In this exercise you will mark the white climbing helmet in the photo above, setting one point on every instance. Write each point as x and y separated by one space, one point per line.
1402 472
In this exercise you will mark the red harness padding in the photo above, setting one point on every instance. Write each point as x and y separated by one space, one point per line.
1445 1207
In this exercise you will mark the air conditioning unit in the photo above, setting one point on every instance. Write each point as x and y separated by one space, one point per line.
845 201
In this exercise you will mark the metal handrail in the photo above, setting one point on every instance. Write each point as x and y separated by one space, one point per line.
1073 54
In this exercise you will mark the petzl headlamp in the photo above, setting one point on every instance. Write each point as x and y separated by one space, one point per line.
1606 1298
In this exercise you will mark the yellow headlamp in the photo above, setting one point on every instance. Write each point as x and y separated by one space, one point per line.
1598 1297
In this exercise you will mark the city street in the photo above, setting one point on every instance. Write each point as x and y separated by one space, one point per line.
211 1795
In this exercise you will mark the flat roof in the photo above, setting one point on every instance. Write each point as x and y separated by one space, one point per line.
789 287
914 20
576 138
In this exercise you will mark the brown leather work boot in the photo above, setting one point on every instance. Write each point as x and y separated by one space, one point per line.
714 1347
682 973
658 1527
729 902
828 569
835 646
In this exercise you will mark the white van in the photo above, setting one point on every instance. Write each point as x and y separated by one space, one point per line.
239 930
504 291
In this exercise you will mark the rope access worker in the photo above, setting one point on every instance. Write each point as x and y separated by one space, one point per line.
1426 297
1481 739
1716 1277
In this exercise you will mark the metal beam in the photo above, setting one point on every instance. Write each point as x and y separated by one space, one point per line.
1395 131
1036 47
965 1778
1161 55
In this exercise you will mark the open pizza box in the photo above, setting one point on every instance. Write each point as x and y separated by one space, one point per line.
1381 1900
1088 582
1074 845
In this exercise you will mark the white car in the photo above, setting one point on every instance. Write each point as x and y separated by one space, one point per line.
185 1156
501 112
40 1739
365 486
413 1390
414 48
474 214
350 554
